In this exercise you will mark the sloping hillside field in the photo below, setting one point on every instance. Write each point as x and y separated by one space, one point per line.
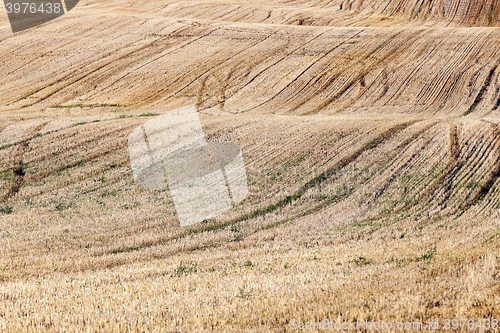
370 135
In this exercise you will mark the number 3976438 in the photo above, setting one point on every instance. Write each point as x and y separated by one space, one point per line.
33 8
27 14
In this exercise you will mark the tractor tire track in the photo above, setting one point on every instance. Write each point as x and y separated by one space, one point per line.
493 176
299 76
19 167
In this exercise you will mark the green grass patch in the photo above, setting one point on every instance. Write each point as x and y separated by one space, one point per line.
105 194
185 269
426 16
83 106
196 96
61 206
492 237
134 205
104 105
248 263
66 106
6 210
362 261
123 116
429 255
244 293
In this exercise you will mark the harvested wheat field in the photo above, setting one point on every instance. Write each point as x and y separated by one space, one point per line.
371 141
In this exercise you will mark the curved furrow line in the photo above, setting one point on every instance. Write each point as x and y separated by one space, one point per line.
401 83
445 73
453 198
358 75
156 95
383 61
417 157
486 143
45 158
490 203
272 148
237 76
470 176
493 175
485 86
19 165
56 76
88 74
90 157
430 162
400 167
47 46
296 80
343 145
137 60
275 152
425 52
422 155
67 76
496 96
82 177
454 11
394 168
421 71
69 148
441 12
418 65
228 10
81 140
425 197
316 181
468 11
131 84
159 55
267 17
245 84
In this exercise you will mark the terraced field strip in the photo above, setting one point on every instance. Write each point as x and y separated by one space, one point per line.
320 13
286 69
